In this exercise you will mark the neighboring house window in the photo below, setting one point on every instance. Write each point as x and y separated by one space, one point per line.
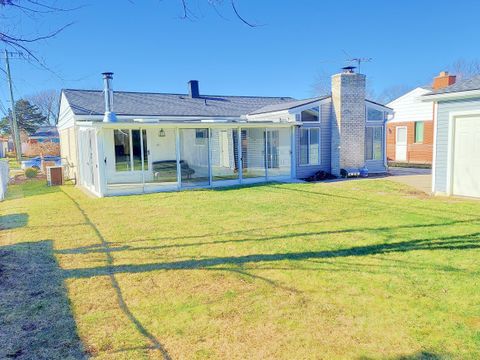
311 115
374 143
309 146
201 136
419 126
128 149
374 115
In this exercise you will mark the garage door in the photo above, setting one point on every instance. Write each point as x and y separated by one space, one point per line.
466 157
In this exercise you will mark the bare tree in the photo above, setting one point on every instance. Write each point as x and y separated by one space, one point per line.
36 10
189 13
393 92
47 102
464 69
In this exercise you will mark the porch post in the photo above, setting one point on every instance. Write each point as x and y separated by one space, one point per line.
265 157
142 155
239 152
293 152
210 176
177 150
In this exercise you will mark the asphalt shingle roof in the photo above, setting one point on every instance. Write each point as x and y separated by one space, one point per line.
91 102
286 105
462 85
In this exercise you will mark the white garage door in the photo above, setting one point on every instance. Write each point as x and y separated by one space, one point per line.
466 157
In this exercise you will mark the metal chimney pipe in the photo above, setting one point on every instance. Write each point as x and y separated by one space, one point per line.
110 116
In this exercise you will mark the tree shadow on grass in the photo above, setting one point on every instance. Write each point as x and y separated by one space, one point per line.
155 344
35 317
421 355
13 221
465 242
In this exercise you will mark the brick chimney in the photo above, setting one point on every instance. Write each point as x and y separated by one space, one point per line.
443 80
348 127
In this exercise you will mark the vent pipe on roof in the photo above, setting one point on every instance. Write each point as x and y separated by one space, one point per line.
193 89
110 116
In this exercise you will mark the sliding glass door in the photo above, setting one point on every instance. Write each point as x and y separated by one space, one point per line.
253 153
278 150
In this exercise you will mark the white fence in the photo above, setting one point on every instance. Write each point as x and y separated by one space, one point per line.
3 178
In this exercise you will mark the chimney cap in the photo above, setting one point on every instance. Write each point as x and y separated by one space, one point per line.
443 73
349 69
107 75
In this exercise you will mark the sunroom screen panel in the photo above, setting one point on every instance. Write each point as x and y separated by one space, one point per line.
224 154
194 157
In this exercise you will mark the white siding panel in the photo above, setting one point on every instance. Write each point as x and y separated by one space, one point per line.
409 107
443 115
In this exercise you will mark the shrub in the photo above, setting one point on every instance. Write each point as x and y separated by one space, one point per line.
10 154
31 172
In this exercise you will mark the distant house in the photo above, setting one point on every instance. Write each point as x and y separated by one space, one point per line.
130 142
456 156
45 134
45 141
410 128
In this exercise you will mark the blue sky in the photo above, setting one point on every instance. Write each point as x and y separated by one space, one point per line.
150 48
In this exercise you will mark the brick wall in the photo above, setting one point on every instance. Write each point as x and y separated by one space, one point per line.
348 121
416 153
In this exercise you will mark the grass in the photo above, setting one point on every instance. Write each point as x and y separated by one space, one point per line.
356 270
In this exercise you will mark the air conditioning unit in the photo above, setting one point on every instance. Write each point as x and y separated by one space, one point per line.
54 175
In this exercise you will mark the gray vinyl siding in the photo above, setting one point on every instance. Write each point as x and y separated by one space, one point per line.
304 171
443 113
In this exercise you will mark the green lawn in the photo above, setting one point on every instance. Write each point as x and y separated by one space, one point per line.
351 270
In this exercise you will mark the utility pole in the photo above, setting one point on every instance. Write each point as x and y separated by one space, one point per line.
15 132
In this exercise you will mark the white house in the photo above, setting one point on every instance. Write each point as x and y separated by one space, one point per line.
129 142
456 156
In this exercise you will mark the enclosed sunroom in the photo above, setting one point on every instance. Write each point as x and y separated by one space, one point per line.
140 157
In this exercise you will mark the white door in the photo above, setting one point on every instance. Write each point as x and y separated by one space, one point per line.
401 143
466 157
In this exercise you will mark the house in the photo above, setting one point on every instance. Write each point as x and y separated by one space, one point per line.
410 128
456 156
130 142
44 141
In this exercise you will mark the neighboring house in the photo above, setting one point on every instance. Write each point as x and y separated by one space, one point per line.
130 142
45 141
44 134
410 128
456 156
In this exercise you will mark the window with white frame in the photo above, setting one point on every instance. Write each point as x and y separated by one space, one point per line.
374 143
310 115
201 136
309 146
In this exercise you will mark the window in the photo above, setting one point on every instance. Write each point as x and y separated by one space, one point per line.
310 146
419 125
374 143
201 136
311 115
128 149
374 114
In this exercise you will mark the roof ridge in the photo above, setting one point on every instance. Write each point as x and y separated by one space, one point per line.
183 94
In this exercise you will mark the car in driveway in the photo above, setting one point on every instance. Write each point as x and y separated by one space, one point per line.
36 162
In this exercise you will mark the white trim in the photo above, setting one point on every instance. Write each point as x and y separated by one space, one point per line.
452 117
434 155
451 96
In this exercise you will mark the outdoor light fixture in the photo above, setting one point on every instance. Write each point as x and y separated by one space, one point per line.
161 133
